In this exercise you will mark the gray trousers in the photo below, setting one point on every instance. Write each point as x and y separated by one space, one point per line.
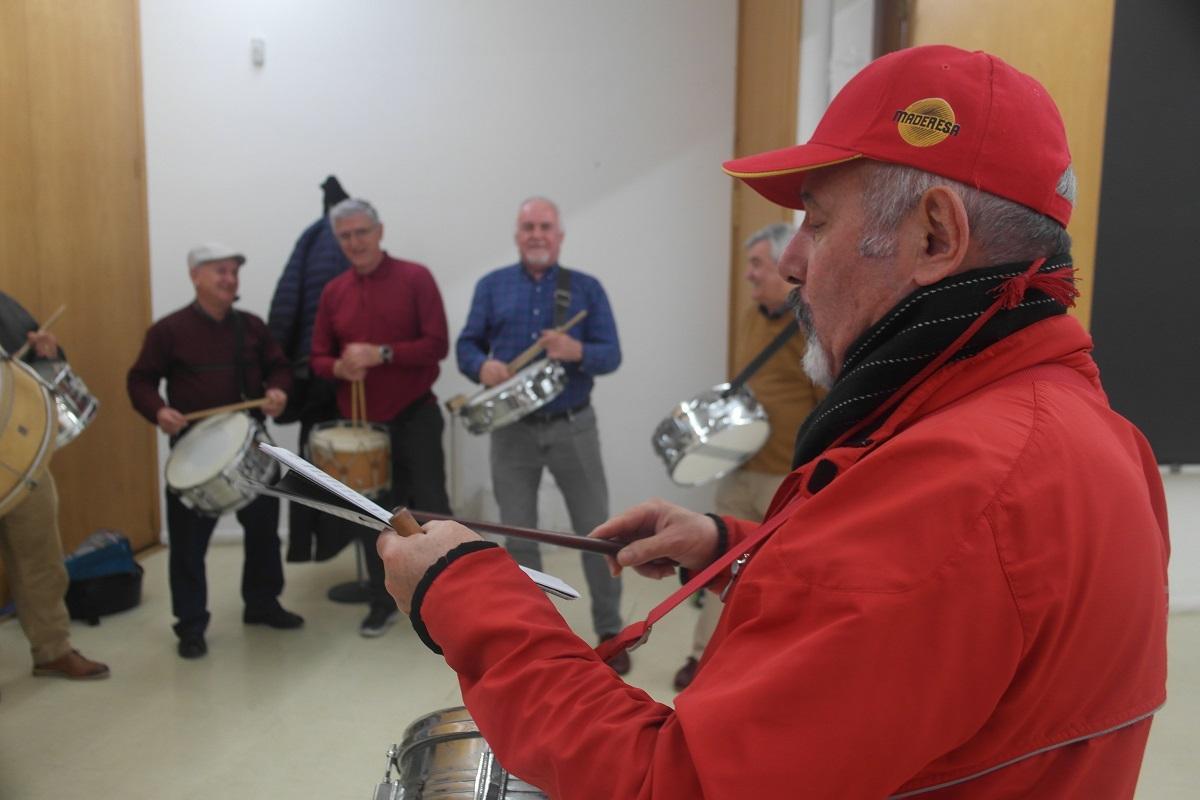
570 449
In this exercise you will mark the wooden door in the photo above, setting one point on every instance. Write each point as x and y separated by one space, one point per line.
73 231
1066 45
768 78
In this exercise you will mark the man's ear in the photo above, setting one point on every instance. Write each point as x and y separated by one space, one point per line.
944 236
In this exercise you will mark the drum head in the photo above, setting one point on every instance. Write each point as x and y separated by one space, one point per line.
206 449
723 452
345 436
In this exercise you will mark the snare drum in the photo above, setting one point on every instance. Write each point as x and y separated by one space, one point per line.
444 756
711 434
26 431
77 406
209 463
523 393
359 454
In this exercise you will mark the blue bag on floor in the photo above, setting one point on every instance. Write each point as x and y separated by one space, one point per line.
104 577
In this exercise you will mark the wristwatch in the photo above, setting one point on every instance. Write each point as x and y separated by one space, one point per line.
385 353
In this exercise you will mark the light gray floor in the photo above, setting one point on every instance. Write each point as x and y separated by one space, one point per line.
311 713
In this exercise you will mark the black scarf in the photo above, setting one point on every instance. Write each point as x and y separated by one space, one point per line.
917 330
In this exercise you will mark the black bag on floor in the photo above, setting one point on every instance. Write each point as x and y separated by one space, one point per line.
104 577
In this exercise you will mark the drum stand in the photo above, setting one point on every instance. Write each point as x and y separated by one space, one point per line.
357 590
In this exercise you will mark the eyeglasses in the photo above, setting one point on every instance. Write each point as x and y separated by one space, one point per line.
356 233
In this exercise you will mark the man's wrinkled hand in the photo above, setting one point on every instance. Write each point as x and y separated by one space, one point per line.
493 372
361 355
276 402
560 346
43 343
170 421
658 533
406 559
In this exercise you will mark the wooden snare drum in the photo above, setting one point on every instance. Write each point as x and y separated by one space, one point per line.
357 453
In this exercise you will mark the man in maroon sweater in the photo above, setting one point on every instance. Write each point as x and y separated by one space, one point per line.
382 322
195 350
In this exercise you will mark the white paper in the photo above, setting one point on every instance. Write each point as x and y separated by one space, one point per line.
327 482
551 584
546 582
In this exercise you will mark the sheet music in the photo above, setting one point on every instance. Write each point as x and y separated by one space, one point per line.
551 584
325 481
548 583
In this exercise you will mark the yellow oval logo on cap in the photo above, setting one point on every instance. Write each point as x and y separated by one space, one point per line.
926 122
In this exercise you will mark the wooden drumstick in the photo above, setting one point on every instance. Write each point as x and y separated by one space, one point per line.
403 522
568 540
242 406
50 320
535 350
520 362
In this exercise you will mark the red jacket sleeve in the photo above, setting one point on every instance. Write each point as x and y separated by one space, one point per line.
806 686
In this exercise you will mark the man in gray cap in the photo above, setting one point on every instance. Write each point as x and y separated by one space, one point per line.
211 355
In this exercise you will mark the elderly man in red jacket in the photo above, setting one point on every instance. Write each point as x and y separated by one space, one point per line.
960 590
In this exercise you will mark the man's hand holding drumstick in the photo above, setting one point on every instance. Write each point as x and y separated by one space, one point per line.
172 421
661 537
406 558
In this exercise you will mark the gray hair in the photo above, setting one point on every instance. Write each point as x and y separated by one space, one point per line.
777 233
1005 231
351 206
537 198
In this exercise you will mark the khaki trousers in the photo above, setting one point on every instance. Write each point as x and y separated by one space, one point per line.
745 495
33 559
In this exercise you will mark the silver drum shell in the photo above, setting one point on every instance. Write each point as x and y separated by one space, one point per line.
710 435
522 394
443 756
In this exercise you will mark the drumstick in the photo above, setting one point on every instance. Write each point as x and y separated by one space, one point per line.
605 546
534 350
50 320
521 361
242 406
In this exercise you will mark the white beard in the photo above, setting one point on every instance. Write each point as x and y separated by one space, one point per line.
816 364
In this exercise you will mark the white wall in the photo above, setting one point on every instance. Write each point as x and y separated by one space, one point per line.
1183 511
445 115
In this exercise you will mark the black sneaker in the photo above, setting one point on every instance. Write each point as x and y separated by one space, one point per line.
378 621
192 646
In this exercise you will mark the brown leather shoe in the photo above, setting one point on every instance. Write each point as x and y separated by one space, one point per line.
686 673
619 663
72 666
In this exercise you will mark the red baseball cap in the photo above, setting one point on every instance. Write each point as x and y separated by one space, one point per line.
965 116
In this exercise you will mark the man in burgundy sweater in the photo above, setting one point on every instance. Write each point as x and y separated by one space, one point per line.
382 322
195 349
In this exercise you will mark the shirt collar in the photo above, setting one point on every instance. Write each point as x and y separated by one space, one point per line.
525 272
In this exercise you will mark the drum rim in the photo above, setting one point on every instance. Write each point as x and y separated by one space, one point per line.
176 454
733 465
45 448
677 432
338 424
545 364
479 414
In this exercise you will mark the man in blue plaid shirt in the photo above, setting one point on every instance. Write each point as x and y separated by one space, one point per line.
514 307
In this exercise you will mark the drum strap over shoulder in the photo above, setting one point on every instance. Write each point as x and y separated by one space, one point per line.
755 365
239 357
562 295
